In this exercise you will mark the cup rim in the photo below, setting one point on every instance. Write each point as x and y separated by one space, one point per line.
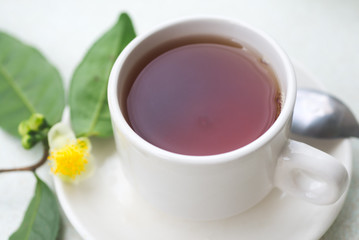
118 120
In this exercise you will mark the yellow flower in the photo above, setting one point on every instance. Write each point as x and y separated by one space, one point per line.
70 157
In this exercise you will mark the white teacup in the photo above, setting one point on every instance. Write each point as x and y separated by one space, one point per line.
222 185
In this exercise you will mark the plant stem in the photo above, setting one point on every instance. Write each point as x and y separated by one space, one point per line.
34 166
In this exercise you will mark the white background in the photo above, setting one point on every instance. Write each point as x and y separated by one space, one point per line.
321 35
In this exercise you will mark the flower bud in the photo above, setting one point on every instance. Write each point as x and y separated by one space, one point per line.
33 130
28 141
37 122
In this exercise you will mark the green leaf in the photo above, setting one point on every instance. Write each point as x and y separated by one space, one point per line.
90 115
28 84
42 217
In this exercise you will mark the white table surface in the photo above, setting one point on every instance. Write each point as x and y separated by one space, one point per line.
322 35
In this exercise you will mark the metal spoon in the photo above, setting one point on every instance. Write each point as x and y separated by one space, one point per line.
320 115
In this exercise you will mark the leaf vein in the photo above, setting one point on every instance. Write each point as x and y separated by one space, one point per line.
97 111
37 201
11 82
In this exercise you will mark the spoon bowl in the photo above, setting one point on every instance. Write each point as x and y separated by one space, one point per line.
321 115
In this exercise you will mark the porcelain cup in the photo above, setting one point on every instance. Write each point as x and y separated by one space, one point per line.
222 185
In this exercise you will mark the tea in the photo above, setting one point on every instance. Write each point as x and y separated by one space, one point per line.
203 98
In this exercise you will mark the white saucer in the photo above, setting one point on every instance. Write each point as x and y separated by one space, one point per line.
105 207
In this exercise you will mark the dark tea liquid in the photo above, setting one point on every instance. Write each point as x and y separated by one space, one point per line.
203 99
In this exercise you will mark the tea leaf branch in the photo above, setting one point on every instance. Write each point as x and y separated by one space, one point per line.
29 84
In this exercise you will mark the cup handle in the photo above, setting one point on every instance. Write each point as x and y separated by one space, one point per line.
310 174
